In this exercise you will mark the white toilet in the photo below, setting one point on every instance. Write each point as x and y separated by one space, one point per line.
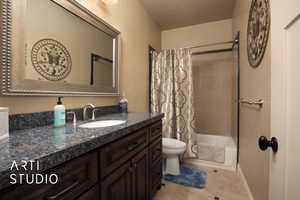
172 148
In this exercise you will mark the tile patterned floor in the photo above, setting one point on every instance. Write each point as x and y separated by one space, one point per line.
221 185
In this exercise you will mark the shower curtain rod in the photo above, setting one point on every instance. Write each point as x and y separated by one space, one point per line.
211 51
207 45
213 44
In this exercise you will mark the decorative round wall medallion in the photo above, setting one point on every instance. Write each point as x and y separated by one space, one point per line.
51 59
258 31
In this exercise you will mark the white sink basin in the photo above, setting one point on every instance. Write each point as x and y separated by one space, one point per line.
102 124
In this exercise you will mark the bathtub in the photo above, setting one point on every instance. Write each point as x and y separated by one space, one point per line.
214 151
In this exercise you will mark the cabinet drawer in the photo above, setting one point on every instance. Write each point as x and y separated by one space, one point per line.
155 130
116 153
75 177
155 177
155 150
92 194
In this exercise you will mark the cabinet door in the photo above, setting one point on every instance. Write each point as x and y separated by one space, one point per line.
155 177
141 177
118 185
92 194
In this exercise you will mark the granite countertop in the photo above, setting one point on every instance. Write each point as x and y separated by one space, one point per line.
53 146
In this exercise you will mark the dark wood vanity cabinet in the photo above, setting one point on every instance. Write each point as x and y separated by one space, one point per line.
140 177
129 168
113 155
129 182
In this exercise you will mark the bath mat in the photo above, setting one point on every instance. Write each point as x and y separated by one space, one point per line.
189 177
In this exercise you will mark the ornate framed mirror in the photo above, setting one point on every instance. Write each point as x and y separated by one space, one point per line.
57 47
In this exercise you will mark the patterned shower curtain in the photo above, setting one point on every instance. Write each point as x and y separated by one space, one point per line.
172 94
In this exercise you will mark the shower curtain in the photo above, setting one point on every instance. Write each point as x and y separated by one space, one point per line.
172 94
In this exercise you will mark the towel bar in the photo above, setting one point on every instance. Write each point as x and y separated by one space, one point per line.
259 102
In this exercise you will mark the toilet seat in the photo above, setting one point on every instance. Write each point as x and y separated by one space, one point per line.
171 143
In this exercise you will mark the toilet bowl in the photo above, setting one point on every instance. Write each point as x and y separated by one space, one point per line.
172 148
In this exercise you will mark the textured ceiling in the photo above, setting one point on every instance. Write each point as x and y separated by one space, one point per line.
171 14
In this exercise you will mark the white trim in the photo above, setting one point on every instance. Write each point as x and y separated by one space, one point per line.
245 183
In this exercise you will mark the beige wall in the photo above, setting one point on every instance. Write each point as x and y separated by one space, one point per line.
213 90
255 83
207 33
137 32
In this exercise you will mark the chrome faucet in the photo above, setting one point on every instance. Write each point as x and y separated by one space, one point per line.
85 108
74 117
94 113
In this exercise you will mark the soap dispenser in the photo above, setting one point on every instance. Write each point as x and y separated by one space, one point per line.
59 114
123 104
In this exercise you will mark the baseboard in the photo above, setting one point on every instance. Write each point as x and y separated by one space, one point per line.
245 183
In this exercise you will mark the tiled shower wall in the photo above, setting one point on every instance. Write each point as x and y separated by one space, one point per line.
214 90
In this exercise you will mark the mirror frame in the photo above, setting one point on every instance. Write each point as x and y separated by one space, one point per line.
7 46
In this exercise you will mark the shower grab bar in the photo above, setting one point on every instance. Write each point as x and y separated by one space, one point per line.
259 102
